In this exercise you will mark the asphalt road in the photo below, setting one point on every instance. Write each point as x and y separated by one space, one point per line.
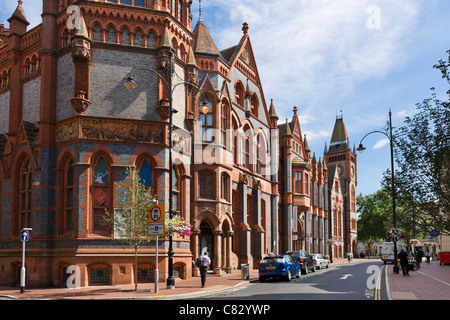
353 281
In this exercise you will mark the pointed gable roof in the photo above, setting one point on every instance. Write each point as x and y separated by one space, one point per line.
19 14
203 42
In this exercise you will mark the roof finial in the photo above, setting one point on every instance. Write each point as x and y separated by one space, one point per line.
200 10
245 27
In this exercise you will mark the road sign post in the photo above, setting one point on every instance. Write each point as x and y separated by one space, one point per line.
156 217
24 237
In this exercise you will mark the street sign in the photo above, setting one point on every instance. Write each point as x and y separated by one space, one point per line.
24 235
156 220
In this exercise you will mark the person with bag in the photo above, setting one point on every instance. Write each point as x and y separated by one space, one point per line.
203 263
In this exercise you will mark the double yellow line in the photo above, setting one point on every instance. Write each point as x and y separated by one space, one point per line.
378 285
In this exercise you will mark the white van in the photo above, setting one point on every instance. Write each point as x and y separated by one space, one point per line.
387 251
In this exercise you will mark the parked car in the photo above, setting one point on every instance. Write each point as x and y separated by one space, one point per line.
320 261
278 266
303 258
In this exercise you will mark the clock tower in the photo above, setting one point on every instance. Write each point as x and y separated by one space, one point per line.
341 162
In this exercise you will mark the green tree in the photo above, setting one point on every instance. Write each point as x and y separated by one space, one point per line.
375 216
129 221
422 153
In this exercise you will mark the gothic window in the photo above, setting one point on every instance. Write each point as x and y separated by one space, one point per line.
225 187
125 38
206 184
151 40
97 33
298 181
138 39
146 174
180 10
254 105
247 152
25 194
224 122
239 94
176 194
27 67
206 121
261 154
335 222
101 196
68 195
111 35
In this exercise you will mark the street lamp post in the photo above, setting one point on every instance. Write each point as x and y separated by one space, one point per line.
391 142
131 84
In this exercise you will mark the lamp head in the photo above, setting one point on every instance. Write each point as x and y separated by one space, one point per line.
205 108
130 84
361 148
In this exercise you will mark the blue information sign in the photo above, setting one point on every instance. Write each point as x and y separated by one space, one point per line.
24 235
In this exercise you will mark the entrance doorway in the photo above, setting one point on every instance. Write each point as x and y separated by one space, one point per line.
206 241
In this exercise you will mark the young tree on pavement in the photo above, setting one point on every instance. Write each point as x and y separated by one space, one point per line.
129 221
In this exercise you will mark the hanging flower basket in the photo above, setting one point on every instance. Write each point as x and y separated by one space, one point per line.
178 225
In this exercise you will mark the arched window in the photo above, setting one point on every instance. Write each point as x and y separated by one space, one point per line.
25 194
146 174
261 150
151 40
101 196
138 39
180 10
239 94
254 105
206 184
68 197
125 38
27 67
224 122
111 35
206 121
176 190
97 33
225 187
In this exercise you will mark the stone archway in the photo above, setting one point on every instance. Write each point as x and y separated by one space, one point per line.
206 241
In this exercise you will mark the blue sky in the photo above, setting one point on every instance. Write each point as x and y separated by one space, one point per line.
361 57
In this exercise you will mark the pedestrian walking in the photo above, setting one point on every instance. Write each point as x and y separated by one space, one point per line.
403 257
419 255
349 256
428 256
204 267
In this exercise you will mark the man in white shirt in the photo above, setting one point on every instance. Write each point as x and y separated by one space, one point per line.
204 267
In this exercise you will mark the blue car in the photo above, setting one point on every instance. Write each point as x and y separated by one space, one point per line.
278 266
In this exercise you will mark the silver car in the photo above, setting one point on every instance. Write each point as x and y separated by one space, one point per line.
320 261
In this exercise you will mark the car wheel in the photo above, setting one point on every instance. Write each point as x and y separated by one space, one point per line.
289 276
327 265
305 271
314 268
261 279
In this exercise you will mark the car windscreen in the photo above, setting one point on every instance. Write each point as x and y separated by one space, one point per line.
273 260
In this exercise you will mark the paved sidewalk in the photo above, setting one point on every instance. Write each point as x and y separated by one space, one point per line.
430 282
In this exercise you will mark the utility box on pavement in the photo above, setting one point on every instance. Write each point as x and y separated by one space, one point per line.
245 271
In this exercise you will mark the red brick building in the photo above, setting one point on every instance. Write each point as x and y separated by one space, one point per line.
69 129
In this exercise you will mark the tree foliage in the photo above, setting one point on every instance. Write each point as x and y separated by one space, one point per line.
375 216
422 153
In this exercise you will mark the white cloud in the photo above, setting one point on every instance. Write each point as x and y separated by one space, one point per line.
381 143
